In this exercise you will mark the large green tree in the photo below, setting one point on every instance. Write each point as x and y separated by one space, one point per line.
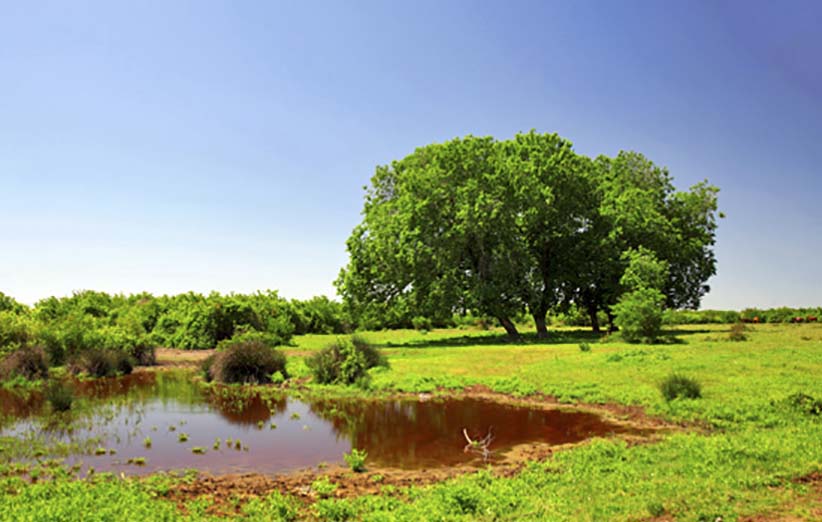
501 227
438 233
638 207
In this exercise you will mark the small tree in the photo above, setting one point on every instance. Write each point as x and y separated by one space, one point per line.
638 313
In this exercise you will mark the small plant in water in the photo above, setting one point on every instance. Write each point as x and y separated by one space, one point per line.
273 426
238 445
295 416
172 428
260 425
182 437
679 386
323 487
197 450
100 451
137 461
59 396
217 443
356 459
147 442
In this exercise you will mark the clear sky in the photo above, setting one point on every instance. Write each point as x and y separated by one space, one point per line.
174 146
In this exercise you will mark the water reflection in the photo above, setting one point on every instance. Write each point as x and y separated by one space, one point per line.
245 432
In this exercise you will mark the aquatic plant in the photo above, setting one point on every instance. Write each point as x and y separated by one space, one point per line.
198 450
182 437
59 396
147 442
356 459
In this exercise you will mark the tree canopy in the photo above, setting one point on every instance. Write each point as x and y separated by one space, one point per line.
526 224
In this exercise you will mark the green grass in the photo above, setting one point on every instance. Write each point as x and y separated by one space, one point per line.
755 444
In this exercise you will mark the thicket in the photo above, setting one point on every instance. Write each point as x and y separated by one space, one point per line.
68 327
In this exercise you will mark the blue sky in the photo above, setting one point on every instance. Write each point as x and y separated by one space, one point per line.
175 146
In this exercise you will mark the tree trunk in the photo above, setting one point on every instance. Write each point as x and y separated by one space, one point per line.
510 328
542 328
592 313
611 326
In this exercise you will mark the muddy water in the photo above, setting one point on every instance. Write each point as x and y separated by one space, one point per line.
282 434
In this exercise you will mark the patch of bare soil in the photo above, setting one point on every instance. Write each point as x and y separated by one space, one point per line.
174 358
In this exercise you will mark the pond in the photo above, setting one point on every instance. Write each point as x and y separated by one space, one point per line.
245 432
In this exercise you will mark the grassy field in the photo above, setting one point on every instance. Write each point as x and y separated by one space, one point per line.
748 457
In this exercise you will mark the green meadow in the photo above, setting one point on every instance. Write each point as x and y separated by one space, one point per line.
740 450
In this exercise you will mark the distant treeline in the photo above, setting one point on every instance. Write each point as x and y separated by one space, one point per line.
88 319
770 315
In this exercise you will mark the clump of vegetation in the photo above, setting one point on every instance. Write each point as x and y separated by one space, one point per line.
101 363
137 461
323 487
345 362
147 442
584 347
737 332
805 404
59 396
356 459
679 386
248 362
28 362
182 437
198 450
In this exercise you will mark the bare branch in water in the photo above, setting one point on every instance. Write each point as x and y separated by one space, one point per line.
479 446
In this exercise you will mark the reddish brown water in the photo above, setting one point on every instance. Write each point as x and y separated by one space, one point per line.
406 434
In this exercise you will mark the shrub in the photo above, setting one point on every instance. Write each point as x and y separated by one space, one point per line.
101 363
584 347
29 362
737 332
206 365
356 459
122 362
805 404
59 396
678 386
421 323
247 362
345 362
638 315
